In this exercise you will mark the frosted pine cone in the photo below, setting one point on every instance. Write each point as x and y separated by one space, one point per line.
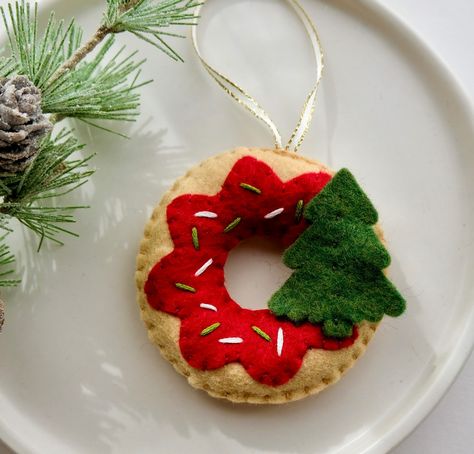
22 123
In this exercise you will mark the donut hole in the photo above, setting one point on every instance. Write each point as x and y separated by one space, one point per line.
254 271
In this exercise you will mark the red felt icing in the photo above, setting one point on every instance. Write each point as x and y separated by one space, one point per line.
262 358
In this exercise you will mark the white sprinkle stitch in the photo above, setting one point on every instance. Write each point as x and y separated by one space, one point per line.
208 306
203 268
205 214
279 341
274 213
231 340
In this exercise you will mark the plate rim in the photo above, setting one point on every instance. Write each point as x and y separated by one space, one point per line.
432 395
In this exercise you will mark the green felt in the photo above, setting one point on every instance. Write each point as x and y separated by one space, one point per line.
338 262
342 198
338 328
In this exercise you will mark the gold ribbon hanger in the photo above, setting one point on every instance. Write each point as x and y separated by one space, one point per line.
249 103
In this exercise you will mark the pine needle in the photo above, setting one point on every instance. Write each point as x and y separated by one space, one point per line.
149 19
7 66
6 260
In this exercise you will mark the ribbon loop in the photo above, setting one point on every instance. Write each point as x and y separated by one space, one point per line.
249 103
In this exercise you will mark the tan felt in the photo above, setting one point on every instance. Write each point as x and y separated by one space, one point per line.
320 368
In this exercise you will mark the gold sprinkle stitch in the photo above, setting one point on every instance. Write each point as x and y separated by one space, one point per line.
232 225
262 333
188 288
194 234
210 329
299 210
250 188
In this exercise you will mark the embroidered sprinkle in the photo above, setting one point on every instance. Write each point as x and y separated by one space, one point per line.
261 333
250 188
232 225
279 341
231 340
211 307
299 210
210 329
205 214
274 213
194 234
203 268
185 287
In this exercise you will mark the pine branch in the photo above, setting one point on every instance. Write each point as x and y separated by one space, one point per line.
38 57
81 53
147 19
71 86
53 62
52 174
95 92
140 17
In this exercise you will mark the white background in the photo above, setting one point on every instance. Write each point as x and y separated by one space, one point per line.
447 28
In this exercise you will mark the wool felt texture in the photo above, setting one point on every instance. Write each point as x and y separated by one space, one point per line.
338 261
252 201
320 368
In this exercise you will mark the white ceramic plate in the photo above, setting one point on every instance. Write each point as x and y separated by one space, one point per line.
77 371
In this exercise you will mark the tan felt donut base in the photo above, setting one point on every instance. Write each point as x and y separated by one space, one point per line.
320 368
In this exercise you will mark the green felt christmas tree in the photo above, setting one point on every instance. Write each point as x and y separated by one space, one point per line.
338 262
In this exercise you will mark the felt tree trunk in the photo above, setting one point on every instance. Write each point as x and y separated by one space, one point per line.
338 262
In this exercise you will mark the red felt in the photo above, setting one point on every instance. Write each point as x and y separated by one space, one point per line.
257 355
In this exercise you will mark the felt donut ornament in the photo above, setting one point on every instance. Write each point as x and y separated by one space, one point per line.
318 323
322 318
